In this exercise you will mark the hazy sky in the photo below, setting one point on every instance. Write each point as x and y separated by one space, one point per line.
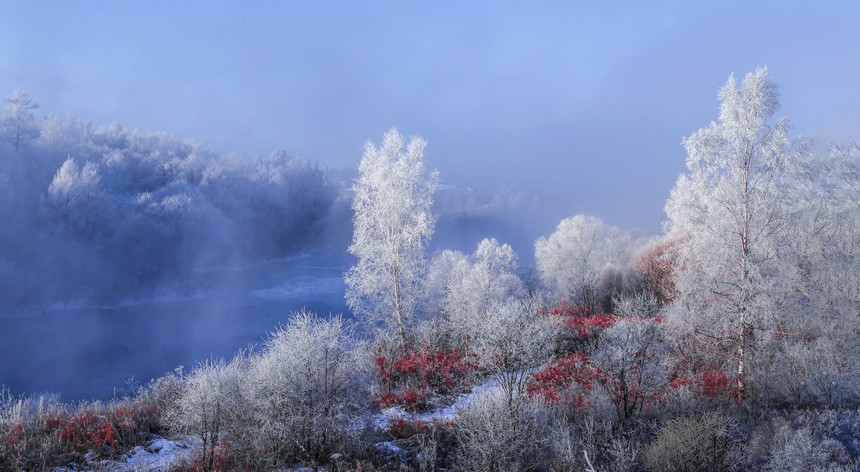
586 102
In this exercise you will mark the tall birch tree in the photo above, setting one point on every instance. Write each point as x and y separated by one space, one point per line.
735 270
392 224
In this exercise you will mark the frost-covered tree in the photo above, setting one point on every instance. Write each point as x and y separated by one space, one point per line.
73 196
463 288
392 225
18 123
581 250
734 271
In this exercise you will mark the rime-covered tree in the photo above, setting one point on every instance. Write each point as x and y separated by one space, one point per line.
72 196
573 259
392 225
467 287
18 123
734 270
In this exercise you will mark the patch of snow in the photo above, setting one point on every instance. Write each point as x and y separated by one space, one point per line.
389 450
442 414
157 456
301 287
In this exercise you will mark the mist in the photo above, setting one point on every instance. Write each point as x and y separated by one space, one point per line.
127 254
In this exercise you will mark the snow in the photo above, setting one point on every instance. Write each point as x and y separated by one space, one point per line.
301 287
157 456
441 415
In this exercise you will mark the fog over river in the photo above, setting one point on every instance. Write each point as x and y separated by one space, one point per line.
95 353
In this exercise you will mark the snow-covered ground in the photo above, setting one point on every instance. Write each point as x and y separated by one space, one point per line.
157 456
441 414
161 453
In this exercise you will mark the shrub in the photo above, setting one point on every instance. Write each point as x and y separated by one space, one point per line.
491 436
410 378
706 384
514 339
564 382
213 406
578 322
306 388
777 445
39 433
630 359
690 444
404 429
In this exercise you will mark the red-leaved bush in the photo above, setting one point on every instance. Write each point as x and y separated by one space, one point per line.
706 384
15 435
564 382
655 264
404 429
84 431
409 379
578 321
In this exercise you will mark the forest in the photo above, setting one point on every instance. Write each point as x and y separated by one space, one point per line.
727 343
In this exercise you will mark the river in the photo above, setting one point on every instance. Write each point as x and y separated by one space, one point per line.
98 352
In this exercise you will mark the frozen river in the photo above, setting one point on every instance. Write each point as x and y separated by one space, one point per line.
91 353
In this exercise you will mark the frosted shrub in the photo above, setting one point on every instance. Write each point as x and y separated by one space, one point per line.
798 450
631 358
817 373
690 443
212 405
166 390
306 387
492 437
514 339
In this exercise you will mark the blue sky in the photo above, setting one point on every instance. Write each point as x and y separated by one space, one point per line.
584 103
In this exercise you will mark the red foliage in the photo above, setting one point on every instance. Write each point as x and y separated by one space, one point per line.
655 263
714 383
409 379
579 321
86 431
53 423
706 383
15 435
564 382
403 429
223 459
